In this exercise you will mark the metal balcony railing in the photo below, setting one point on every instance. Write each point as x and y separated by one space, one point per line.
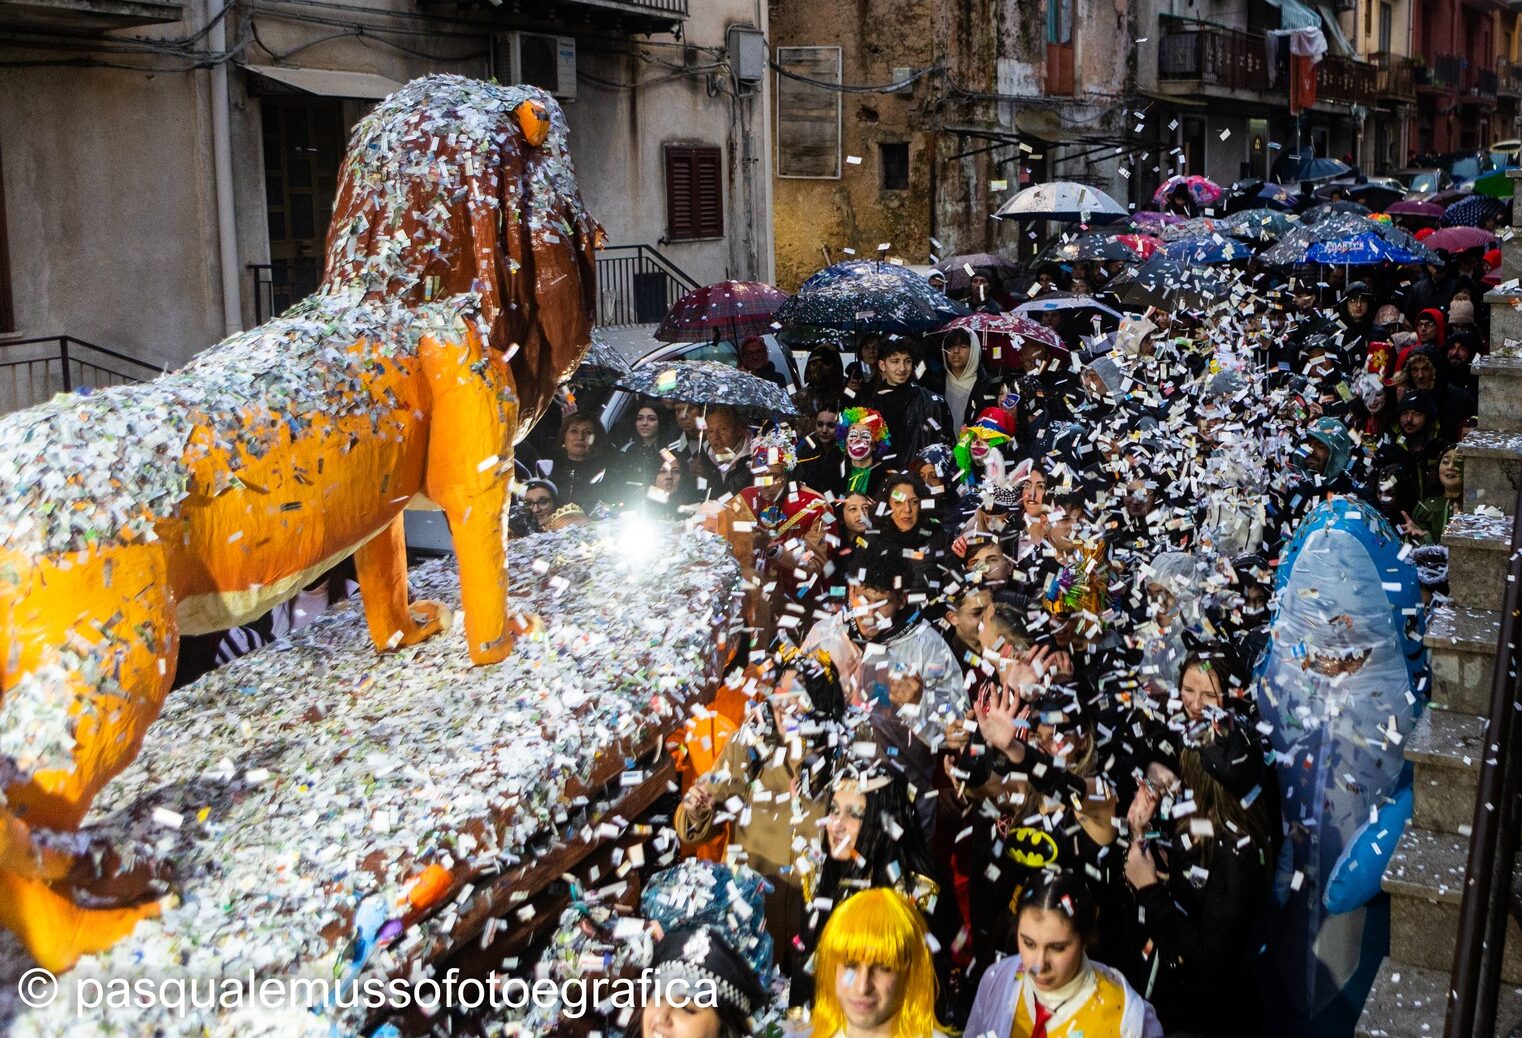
1509 79
1346 80
1226 58
33 370
1478 81
1231 59
637 285
1441 76
1395 75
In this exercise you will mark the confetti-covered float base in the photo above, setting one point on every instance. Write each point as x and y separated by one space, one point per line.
290 786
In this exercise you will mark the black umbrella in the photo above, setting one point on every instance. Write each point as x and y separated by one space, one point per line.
1375 196
1305 167
1165 283
710 382
602 365
869 296
1317 213
1088 248
959 270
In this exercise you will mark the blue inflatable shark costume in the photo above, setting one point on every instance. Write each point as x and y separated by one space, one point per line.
1342 682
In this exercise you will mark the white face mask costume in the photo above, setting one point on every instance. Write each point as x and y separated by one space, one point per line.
859 443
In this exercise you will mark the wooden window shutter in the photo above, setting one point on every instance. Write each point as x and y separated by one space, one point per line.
694 193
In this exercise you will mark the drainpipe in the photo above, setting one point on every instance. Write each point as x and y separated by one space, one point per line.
222 175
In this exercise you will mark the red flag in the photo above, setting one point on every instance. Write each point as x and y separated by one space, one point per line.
1302 83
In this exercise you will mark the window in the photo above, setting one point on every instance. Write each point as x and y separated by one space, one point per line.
1386 24
1059 21
694 193
893 159
808 112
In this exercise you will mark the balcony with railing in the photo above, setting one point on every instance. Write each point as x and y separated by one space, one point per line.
1509 79
1395 76
1477 84
1227 59
1440 76
1346 80
86 16
1235 63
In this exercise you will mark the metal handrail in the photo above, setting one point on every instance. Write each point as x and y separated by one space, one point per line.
635 281
65 340
675 272
1476 978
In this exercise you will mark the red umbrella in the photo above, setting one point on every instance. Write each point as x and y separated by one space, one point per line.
1144 245
730 308
1459 239
1002 336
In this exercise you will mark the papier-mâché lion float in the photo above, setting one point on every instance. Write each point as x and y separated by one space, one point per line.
458 291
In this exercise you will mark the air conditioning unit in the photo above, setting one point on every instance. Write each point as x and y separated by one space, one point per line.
534 59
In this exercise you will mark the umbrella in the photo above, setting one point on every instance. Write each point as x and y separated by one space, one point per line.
1447 196
1257 224
1375 196
1295 245
602 365
733 308
1202 190
1198 227
1149 222
1363 250
1317 213
1459 239
1143 244
1164 283
1473 211
1422 210
1064 301
1277 196
1305 167
1126 248
869 296
710 382
1062 200
1003 272
1496 184
1003 335
1206 252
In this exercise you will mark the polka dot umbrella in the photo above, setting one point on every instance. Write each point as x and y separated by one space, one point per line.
728 309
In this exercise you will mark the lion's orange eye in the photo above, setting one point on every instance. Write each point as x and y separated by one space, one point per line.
534 120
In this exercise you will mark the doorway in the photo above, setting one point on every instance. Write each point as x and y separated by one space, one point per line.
303 148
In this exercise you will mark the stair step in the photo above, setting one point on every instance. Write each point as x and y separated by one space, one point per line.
1501 376
1409 1001
1479 554
1425 882
1446 749
1461 650
1492 469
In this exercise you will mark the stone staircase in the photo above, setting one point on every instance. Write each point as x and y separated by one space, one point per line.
1425 878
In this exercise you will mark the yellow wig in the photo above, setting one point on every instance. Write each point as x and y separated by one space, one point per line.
876 927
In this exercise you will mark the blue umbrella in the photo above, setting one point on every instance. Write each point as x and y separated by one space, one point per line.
1205 252
869 296
1257 224
1277 196
1364 250
1473 211
1294 246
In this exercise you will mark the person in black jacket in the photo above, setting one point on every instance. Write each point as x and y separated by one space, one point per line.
916 417
1199 868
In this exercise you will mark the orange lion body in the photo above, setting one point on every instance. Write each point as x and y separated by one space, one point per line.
458 293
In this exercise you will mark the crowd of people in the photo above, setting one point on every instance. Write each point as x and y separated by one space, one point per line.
1007 626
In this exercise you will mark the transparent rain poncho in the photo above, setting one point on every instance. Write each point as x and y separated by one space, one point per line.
1341 685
